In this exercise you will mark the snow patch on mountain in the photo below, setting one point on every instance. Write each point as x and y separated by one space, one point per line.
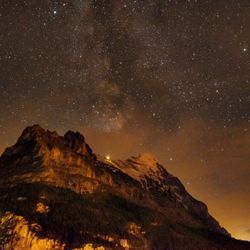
140 167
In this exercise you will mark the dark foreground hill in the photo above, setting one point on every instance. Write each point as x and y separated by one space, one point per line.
55 193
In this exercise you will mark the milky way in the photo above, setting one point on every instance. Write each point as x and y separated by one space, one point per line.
170 77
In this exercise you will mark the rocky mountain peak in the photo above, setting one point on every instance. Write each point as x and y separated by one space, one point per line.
37 144
37 135
31 133
72 187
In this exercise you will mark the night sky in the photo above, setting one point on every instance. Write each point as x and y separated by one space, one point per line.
167 77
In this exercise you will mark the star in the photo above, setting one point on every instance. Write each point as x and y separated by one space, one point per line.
244 49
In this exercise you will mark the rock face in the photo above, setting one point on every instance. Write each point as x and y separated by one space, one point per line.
56 194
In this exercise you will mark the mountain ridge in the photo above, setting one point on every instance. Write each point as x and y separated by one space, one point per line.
44 160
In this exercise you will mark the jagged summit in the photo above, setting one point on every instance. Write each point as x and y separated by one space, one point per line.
38 142
58 183
74 140
35 129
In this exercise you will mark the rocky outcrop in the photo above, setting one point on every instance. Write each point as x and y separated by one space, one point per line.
17 233
76 142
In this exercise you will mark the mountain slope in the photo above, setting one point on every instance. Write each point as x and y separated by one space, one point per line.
55 193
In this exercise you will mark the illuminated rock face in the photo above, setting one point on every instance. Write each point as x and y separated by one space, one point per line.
56 194
22 236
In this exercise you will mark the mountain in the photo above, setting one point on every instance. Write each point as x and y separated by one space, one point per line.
55 193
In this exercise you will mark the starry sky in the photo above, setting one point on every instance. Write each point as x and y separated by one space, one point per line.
170 77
